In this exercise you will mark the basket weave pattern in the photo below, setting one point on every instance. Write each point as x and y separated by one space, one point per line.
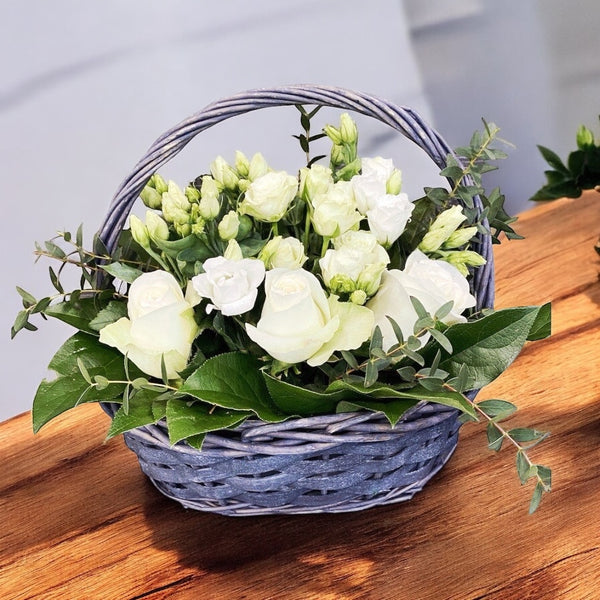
332 463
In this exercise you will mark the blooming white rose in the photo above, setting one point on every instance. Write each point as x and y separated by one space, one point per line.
160 326
367 189
334 212
388 217
299 323
280 252
357 262
231 285
269 196
378 168
432 282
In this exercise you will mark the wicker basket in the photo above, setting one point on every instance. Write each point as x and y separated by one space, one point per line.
332 463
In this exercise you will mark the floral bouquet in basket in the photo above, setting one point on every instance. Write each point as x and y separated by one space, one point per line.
254 293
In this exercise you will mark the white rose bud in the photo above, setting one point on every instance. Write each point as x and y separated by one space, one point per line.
139 232
314 181
442 228
231 285
298 322
432 282
161 326
388 217
229 226
282 252
335 211
268 197
156 226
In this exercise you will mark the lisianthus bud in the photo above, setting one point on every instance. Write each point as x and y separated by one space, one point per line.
333 133
209 188
229 225
394 183
156 227
233 251
462 259
287 253
348 130
315 180
358 297
183 229
139 232
242 164
175 205
258 167
224 173
192 194
245 227
585 138
460 237
442 228
151 197
158 183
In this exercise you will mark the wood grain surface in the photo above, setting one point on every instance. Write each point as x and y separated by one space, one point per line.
80 521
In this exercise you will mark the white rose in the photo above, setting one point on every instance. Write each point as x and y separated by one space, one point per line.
367 189
160 326
388 217
280 252
432 282
231 285
269 196
334 212
299 323
357 258
378 167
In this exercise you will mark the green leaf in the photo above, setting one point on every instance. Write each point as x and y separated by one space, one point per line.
497 409
70 387
300 401
524 469
122 271
27 297
553 159
524 434
441 339
140 413
485 348
382 390
494 436
186 419
538 492
393 409
77 313
112 313
542 326
233 380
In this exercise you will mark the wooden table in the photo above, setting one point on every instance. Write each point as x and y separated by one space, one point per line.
79 521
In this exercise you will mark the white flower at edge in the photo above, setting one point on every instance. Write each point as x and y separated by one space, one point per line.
269 196
388 217
231 285
432 282
161 325
299 323
357 262
334 212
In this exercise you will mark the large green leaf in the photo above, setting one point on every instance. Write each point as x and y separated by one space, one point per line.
488 346
76 313
140 413
70 388
302 402
233 380
186 420
393 409
382 390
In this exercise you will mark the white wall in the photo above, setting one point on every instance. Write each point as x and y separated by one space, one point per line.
87 86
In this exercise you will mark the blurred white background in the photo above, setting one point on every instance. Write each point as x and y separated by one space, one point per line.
86 87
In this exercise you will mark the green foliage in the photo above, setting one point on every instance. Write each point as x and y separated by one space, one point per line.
581 171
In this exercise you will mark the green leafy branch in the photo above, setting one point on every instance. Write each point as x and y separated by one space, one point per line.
306 138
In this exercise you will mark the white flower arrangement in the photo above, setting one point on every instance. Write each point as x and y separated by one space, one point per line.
258 294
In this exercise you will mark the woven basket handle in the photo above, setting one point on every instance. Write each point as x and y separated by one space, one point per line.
168 145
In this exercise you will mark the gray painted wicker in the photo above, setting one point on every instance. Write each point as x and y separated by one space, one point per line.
332 463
